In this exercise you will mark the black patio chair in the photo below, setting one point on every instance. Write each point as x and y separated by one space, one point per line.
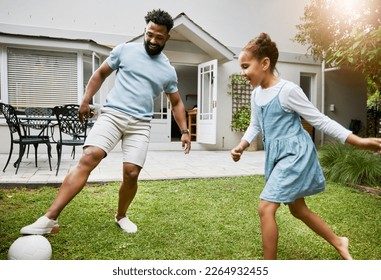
23 139
72 132
39 123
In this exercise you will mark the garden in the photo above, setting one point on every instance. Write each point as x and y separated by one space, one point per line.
192 219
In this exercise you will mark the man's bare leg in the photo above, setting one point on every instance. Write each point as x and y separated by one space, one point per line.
75 180
127 192
70 187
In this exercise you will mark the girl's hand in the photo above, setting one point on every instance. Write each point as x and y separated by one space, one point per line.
372 144
236 153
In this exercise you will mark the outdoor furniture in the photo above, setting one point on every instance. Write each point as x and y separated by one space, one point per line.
192 124
72 132
23 139
38 122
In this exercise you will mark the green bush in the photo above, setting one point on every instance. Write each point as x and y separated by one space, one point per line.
241 119
348 165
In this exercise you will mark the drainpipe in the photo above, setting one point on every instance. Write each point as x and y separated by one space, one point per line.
322 94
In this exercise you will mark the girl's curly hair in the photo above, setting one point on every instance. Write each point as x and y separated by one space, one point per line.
262 46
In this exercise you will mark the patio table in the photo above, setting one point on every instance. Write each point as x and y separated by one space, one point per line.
46 123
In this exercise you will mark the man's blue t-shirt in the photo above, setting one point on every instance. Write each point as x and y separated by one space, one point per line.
140 78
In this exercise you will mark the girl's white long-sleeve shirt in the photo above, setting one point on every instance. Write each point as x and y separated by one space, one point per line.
293 99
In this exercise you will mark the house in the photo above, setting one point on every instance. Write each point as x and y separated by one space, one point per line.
45 67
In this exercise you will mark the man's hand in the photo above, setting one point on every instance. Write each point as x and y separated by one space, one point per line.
186 143
85 112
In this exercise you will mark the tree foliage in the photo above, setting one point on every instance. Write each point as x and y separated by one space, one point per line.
345 33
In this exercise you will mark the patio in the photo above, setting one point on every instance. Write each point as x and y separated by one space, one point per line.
159 165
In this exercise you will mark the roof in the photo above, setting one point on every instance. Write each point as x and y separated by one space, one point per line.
189 37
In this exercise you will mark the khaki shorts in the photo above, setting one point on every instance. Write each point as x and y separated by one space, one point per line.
112 126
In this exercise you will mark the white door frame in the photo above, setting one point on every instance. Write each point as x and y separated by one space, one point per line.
162 119
207 102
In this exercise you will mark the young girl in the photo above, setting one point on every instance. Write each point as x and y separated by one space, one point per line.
292 169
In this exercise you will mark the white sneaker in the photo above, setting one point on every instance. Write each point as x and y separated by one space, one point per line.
127 225
43 225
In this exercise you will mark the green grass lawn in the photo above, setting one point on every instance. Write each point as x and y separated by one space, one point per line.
192 219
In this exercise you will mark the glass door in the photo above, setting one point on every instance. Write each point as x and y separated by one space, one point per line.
207 102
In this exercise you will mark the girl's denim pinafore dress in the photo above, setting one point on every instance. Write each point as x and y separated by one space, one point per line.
292 168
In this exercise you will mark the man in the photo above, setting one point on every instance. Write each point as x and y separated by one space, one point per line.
143 72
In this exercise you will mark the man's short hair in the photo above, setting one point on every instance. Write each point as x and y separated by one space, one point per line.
160 17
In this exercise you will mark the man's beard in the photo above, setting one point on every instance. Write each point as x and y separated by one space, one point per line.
157 50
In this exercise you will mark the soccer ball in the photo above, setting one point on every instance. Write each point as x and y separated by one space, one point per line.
30 247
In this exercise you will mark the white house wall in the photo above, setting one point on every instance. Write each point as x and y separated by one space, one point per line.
233 22
346 92
289 67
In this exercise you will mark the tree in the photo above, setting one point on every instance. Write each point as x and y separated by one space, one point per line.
345 33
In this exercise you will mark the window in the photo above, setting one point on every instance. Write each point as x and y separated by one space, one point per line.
87 69
306 84
1 60
91 62
3 70
96 62
206 98
41 78
160 111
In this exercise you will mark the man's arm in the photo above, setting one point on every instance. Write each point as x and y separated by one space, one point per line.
95 83
178 111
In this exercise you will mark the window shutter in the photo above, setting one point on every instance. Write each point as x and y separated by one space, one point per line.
41 78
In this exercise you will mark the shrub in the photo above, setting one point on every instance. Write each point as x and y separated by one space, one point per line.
241 119
349 165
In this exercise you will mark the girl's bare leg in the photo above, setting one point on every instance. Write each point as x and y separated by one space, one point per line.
269 228
300 210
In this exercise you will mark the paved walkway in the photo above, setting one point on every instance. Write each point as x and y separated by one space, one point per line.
159 165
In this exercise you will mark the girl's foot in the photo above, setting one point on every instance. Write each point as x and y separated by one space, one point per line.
343 248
